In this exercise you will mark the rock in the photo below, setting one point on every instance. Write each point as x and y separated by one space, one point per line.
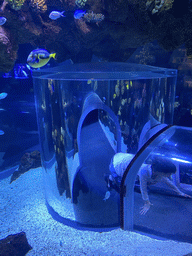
16 245
28 161
35 155
126 25
8 52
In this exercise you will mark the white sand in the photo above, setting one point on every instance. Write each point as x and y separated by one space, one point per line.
22 208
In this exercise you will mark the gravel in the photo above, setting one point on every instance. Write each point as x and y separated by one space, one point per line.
22 208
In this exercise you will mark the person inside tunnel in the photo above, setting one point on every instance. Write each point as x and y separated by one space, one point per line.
160 170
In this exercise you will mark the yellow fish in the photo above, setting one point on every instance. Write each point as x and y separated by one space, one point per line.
39 58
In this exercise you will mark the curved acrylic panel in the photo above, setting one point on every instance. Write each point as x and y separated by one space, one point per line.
166 185
87 113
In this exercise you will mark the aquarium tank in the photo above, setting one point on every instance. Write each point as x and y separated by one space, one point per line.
87 113
96 98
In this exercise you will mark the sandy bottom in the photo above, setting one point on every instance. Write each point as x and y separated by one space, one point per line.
22 208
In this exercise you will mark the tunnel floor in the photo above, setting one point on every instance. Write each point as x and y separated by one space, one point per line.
169 216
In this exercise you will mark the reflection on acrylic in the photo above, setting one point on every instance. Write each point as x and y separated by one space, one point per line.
21 71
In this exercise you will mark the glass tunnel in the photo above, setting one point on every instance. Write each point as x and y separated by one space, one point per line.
170 213
89 113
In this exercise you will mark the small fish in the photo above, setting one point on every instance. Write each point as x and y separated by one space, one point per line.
1 132
78 14
2 20
3 95
107 195
54 15
39 58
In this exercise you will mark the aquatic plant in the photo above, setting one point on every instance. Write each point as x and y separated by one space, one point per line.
16 4
93 17
80 3
160 5
39 5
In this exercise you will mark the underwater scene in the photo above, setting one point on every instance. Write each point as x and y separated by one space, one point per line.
95 127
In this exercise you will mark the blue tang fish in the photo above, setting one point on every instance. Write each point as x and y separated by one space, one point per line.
3 95
2 20
78 14
54 15
39 58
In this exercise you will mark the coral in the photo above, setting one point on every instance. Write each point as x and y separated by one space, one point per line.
82 26
16 4
93 17
146 56
8 52
127 24
160 5
3 5
80 3
39 5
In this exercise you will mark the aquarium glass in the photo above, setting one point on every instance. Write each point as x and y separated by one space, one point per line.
18 122
170 211
86 113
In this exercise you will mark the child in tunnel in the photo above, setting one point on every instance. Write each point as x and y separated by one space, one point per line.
160 169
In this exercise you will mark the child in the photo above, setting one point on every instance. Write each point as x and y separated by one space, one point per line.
159 170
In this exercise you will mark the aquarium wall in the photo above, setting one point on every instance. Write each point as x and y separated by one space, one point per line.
18 122
86 113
